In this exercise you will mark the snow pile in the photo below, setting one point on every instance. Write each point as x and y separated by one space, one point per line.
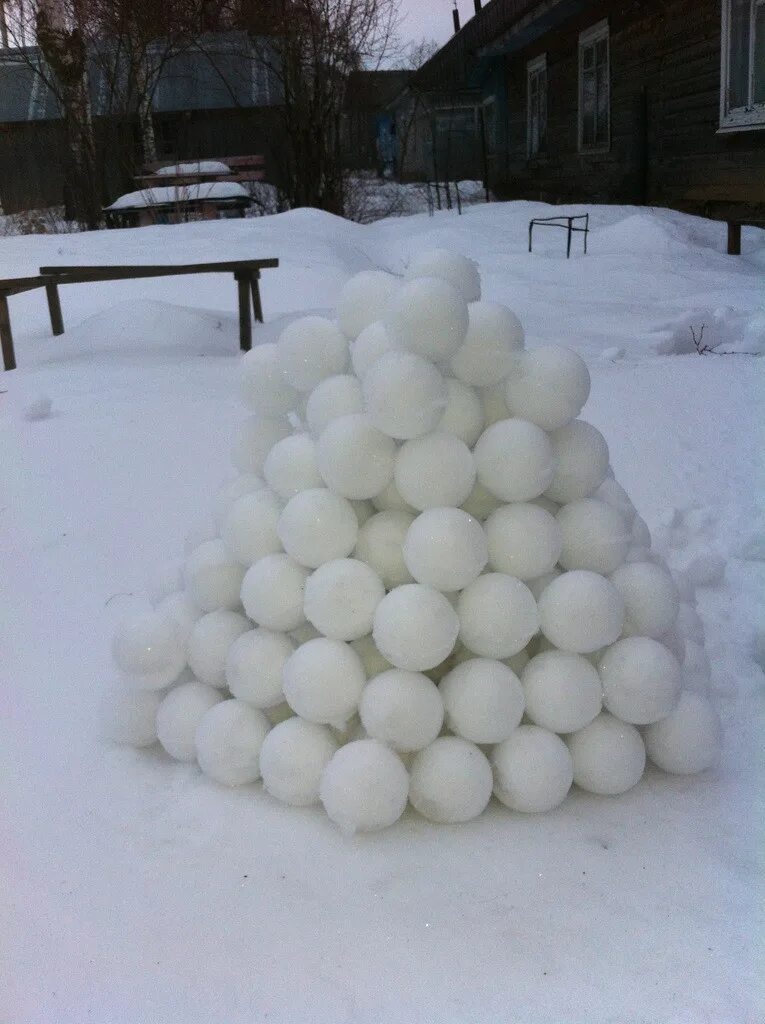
161 195
196 167
722 330
425 585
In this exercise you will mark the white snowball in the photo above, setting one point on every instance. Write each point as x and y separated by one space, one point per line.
310 349
608 756
228 741
445 548
429 317
493 342
402 709
498 615
390 500
434 471
150 651
334 397
380 545
688 621
291 466
533 770
261 384
254 439
204 529
323 681
371 345
254 666
249 531
415 627
164 579
524 540
641 680
458 270
483 700
372 660
563 691
317 526
514 460
364 787
641 535
450 781
364 510
548 386
547 504
614 494
304 633
481 503
245 483
581 611
182 610
355 459
293 758
581 460
595 536
689 739
463 415
341 597
209 642
650 597
179 714
363 300
130 717
213 575
494 404
405 396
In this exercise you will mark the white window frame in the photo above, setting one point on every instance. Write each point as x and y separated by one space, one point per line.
533 68
752 116
588 38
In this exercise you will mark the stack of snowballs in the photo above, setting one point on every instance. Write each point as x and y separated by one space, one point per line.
425 584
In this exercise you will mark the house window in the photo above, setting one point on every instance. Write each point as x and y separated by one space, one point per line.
594 99
536 113
742 93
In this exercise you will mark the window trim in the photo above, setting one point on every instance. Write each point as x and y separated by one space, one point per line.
738 119
600 30
533 67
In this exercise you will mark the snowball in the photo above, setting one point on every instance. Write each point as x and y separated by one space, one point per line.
355 459
333 398
650 598
429 317
445 548
209 642
463 415
364 510
405 396
249 531
641 680
688 740
524 540
131 717
480 503
450 781
364 787
341 597
179 714
390 500
533 770
493 342
255 438
310 349
458 270
614 494
434 470
261 384
498 615
363 300
291 466
204 529
245 483
402 709
494 404
514 460
254 666
380 545
548 386
228 739
581 611
293 758
641 535
38 408
581 460
323 681
415 627
595 536
371 345
317 526
563 691
608 756
150 650
483 700
181 609
372 660
163 580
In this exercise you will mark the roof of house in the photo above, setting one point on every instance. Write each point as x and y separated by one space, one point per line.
175 195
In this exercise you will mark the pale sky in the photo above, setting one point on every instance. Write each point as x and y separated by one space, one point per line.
430 19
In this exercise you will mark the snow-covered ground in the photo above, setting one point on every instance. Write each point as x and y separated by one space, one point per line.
135 890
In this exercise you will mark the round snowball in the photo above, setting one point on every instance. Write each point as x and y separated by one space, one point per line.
164 579
524 540
493 342
150 651
595 536
254 439
364 787
563 691
429 317
249 532
450 781
180 713
131 717
273 591
291 466
581 612
390 500
608 756
323 681
614 494
182 610
333 398
292 759
381 546
363 300
483 700
533 770
372 660
262 386
245 483
341 597
355 459
498 615
209 642
651 598
494 404
402 709
434 470
463 415
254 666
480 503
371 345
405 396
641 680
548 386
213 577
581 461
317 526
309 350
415 627
688 740
445 548
228 741
458 270
514 460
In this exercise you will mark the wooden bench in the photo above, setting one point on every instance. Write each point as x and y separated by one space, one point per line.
246 274
738 205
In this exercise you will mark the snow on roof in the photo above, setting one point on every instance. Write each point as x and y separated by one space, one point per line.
196 167
173 194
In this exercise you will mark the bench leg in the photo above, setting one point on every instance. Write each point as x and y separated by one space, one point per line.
734 238
257 308
6 338
54 307
245 321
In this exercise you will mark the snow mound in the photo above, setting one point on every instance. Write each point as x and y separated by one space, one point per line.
641 234
723 329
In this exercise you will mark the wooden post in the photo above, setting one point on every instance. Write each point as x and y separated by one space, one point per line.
257 307
568 240
54 307
245 321
6 338
734 238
